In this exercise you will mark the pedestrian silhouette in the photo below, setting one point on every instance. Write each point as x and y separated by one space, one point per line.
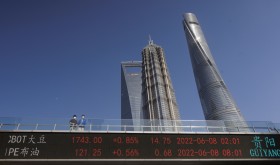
73 123
82 122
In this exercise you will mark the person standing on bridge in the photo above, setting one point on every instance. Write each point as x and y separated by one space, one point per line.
82 122
73 123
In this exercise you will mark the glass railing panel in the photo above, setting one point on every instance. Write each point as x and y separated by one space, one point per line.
199 129
61 127
27 127
140 125
46 127
185 129
101 128
115 127
9 126
216 129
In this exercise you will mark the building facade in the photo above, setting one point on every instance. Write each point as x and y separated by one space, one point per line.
215 98
131 99
159 102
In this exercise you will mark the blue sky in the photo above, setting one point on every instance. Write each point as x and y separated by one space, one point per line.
59 58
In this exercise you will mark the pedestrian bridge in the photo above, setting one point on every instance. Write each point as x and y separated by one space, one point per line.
150 142
140 126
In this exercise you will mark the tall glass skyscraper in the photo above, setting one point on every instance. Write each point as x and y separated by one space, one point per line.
131 99
159 102
216 100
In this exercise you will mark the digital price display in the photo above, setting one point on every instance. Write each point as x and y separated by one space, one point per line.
58 145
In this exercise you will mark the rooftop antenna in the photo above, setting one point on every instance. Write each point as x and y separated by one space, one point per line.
151 42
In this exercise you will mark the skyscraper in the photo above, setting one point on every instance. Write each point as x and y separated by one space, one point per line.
215 98
131 107
159 102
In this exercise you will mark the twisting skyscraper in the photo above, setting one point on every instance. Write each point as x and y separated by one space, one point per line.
131 98
159 102
216 100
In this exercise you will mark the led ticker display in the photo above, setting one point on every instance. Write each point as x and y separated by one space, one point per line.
57 145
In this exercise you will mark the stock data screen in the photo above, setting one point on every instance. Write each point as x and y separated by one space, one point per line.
55 145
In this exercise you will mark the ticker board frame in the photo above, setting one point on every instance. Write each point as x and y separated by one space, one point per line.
142 159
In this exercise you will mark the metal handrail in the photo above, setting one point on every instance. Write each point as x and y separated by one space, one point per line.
148 128
267 127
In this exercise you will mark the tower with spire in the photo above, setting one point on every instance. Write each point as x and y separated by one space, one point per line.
158 96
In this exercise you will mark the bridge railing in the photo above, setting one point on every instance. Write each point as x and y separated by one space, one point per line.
113 125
